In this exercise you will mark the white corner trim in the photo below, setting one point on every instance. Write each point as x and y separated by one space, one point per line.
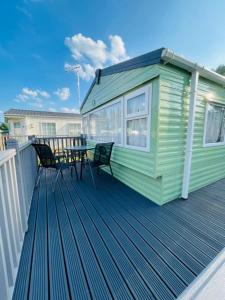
190 134
209 285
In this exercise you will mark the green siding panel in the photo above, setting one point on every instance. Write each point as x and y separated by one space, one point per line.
145 185
134 168
112 86
208 163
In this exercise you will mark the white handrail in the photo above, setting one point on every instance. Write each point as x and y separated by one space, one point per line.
6 155
18 169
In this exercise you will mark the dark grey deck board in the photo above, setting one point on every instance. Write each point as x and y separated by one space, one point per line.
114 278
59 288
113 243
39 285
76 276
21 290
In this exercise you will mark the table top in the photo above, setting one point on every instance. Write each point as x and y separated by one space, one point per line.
79 148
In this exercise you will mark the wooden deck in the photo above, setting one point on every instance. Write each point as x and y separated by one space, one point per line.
112 243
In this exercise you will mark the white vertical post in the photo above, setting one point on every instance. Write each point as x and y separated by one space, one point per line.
4 284
190 134
13 144
8 245
11 210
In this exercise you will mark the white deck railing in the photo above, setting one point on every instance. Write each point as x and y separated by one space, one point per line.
18 167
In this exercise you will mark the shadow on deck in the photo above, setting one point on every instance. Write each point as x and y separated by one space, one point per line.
112 243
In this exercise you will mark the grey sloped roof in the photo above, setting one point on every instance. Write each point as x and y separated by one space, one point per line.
26 112
150 58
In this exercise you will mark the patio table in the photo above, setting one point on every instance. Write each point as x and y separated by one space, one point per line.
83 151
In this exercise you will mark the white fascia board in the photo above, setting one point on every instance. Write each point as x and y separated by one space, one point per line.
168 56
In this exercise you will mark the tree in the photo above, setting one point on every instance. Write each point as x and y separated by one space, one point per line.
4 128
221 70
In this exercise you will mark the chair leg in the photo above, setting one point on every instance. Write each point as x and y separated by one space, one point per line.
56 179
92 176
75 168
39 173
111 169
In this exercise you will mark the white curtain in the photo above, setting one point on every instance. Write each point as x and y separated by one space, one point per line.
137 132
85 125
136 104
106 124
215 124
48 129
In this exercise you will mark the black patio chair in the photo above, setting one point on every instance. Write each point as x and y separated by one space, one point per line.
49 161
102 156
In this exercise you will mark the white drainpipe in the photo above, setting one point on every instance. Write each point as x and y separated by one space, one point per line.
190 133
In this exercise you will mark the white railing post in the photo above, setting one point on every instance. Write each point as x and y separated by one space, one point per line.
4 284
18 180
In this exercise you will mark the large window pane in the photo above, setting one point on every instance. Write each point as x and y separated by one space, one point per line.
105 124
136 104
85 125
215 124
74 129
17 125
136 134
48 129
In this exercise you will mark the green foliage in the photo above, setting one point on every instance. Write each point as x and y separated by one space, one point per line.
221 70
4 127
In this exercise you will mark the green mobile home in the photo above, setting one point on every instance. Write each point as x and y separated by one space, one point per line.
166 116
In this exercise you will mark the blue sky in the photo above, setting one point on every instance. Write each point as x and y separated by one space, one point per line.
38 37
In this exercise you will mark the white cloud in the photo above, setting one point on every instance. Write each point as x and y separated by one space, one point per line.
43 94
93 54
22 98
28 94
83 47
118 51
63 93
70 110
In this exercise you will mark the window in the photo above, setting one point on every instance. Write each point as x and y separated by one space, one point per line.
137 119
105 125
74 129
85 125
126 121
214 125
48 129
17 125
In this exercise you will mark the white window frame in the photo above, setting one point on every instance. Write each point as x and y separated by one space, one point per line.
205 126
140 91
147 89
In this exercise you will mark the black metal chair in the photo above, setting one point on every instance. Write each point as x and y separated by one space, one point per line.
49 161
102 156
